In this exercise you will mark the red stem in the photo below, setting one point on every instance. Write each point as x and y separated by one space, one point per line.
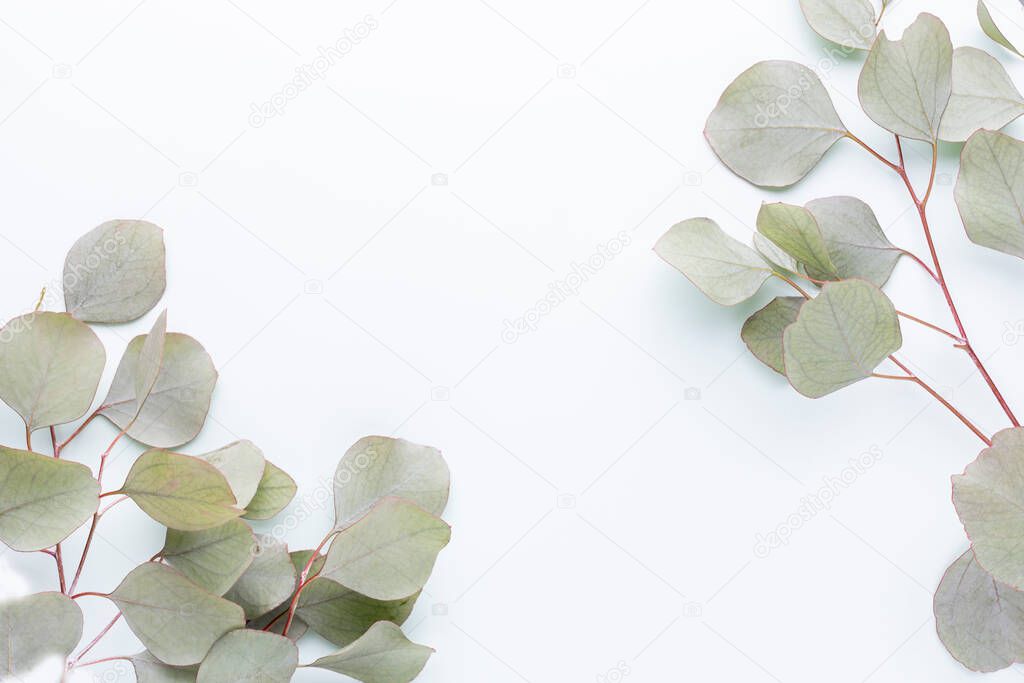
303 582
92 644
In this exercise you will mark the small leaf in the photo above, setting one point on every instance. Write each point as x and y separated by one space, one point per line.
979 620
850 23
990 191
149 669
242 464
115 272
341 615
840 337
151 359
984 96
213 559
774 123
42 499
988 25
35 628
794 230
268 582
248 656
726 270
383 655
989 498
774 255
762 333
389 553
275 491
378 466
905 84
50 366
180 491
177 621
176 408
855 242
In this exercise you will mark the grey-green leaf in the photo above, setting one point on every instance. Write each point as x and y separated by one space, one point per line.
840 337
275 491
242 464
35 628
379 466
175 619
180 491
984 96
726 270
42 499
149 669
774 255
989 498
342 615
213 559
50 366
992 30
990 191
856 245
979 620
774 123
794 230
176 408
269 580
389 553
383 655
115 272
905 84
151 359
762 333
850 23
248 656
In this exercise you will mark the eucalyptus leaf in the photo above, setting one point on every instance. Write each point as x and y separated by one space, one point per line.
774 123
275 491
342 615
726 270
180 491
42 499
248 656
840 337
268 582
242 464
990 191
213 559
115 272
989 498
906 84
774 255
379 466
854 240
850 23
984 96
35 628
383 655
176 408
794 230
762 333
389 553
175 619
151 359
992 30
149 669
979 620
50 366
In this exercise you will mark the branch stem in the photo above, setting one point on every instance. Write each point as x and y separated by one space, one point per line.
304 580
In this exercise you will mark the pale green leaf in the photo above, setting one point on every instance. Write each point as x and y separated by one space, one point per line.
268 582
248 656
50 366
984 96
180 491
175 619
275 491
774 255
905 84
342 615
762 333
42 499
794 230
151 359
992 30
726 270
990 191
850 23
773 124
854 240
979 620
35 628
383 655
242 464
149 669
213 559
115 272
840 337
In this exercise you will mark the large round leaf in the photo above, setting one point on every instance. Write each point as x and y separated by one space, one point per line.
990 191
50 366
248 656
383 655
850 23
275 491
762 333
856 245
34 628
983 96
270 579
342 615
242 464
213 559
42 499
115 272
773 124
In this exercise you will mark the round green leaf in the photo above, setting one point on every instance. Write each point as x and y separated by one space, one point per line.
984 96
383 655
979 620
180 491
175 619
856 245
213 559
773 124
389 553
242 464
42 499
726 270
794 230
248 656
268 582
840 337
990 191
149 669
992 30
35 628
342 615
762 333
850 23
50 366
905 84
275 491
115 272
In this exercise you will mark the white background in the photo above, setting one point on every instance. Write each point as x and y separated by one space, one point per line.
614 466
